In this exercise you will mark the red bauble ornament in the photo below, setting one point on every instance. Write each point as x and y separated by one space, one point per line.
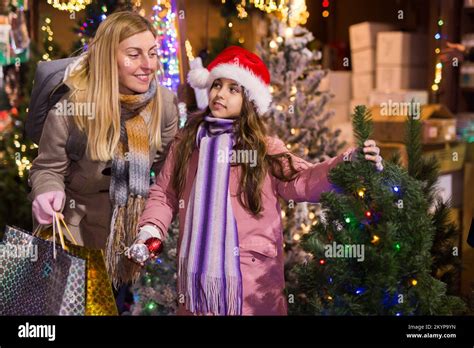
155 245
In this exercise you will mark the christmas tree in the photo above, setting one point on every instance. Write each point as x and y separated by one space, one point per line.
298 117
446 262
226 35
17 152
155 293
370 254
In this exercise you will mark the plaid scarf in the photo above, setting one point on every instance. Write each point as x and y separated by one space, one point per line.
130 182
209 263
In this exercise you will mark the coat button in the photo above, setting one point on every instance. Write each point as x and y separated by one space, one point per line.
253 259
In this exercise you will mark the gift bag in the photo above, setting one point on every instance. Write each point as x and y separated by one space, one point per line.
56 280
38 277
99 296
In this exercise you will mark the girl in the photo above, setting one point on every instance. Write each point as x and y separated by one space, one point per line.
95 167
230 245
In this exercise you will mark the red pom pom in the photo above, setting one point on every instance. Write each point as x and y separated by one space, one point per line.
155 245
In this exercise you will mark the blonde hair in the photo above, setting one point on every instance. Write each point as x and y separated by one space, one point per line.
96 81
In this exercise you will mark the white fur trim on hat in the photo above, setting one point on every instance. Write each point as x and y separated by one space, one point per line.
257 90
197 78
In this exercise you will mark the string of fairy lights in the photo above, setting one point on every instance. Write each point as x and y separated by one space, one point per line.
164 21
21 160
71 5
292 11
439 65
325 4
367 222
48 38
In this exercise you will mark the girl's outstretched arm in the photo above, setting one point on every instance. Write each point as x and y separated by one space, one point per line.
311 179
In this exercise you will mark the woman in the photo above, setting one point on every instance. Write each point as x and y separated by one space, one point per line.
95 166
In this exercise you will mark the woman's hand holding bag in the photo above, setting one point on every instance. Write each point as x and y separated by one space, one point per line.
46 205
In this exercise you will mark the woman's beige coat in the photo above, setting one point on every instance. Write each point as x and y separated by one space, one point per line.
87 207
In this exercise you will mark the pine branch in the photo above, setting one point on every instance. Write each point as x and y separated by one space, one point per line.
429 173
362 124
414 150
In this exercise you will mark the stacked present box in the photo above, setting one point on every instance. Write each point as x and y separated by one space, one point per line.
339 83
401 62
363 40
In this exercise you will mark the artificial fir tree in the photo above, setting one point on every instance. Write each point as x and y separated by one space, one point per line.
226 35
446 262
371 252
155 293
16 155
297 116
17 152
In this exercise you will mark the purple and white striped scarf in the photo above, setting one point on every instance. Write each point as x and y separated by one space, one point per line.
209 263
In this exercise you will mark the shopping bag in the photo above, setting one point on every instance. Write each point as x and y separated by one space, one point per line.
38 277
100 299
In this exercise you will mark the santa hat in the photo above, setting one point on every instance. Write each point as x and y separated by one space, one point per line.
245 68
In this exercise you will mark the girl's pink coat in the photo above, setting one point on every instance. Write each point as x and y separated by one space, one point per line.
260 238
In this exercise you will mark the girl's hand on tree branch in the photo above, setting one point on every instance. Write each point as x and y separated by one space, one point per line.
372 153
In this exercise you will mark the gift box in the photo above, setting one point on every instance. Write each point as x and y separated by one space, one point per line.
364 35
389 122
439 130
362 85
342 120
398 48
363 61
339 84
391 78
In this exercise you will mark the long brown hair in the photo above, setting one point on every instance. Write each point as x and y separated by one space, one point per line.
251 134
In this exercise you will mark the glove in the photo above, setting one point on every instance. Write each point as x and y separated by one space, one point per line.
46 204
